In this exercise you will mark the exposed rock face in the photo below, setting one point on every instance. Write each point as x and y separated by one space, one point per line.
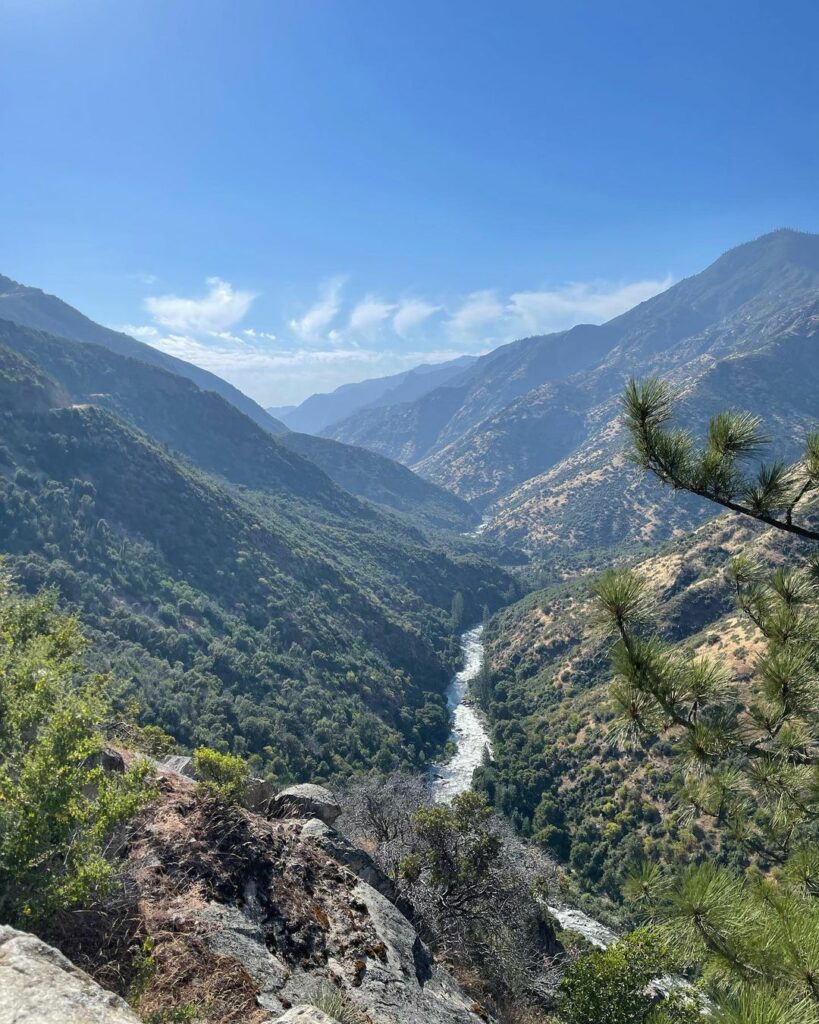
109 759
341 849
38 985
276 908
306 801
177 764
258 794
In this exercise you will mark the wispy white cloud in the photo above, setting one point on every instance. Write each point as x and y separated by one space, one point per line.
557 309
411 313
368 316
318 318
255 335
220 309
479 311
144 332
276 375
334 343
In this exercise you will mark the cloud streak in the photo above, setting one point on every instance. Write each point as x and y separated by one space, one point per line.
220 309
321 315
368 316
479 311
410 314
557 309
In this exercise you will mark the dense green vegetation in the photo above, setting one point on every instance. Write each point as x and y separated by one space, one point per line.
613 986
58 807
222 776
287 623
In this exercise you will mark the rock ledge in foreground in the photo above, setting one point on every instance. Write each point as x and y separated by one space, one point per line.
38 985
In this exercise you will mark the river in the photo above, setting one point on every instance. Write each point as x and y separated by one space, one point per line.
471 739
455 776
468 730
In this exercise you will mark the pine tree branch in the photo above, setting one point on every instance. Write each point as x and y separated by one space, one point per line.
670 457
666 474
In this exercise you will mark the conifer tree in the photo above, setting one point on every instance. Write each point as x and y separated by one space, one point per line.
749 753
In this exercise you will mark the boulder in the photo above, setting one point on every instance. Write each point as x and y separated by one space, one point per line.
38 985
108 759
111 760
305 801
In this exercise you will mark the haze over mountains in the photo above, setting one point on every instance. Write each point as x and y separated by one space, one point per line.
361 472
34 308
183 522
318 412
529 435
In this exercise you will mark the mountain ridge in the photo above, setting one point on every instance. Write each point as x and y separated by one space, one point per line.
32 307
216 434
490 447
320 411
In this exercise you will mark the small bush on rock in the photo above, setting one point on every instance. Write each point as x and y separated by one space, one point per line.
223 776
337 1005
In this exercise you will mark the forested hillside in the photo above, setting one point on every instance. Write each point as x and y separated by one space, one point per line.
267 612
32 307
217 437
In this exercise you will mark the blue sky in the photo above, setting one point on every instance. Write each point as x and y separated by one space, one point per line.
296 193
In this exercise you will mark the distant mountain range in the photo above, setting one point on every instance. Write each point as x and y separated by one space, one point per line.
318 412
529 433
34 308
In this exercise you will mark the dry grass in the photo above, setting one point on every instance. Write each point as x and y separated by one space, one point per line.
184 973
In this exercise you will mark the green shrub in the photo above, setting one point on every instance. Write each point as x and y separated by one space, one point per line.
609 986
223 776
58 807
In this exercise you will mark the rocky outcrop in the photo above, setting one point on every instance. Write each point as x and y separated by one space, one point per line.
305 801
38 985
342 850
276 908
244 917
